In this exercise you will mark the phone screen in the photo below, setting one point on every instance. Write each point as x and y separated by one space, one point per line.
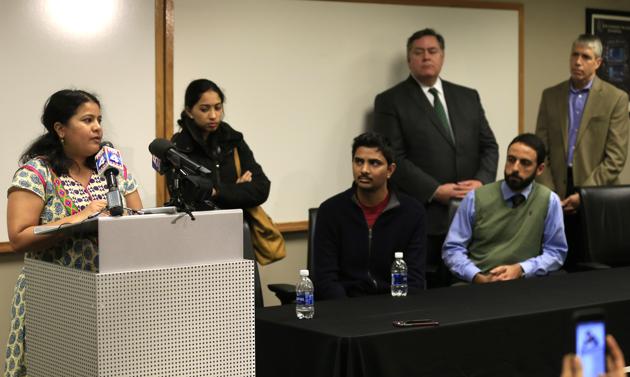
590 346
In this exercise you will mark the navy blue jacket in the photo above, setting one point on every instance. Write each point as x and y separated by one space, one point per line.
352 260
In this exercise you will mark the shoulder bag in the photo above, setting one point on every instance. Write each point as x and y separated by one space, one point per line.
266 238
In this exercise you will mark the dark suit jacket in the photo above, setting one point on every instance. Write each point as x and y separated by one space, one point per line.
425 154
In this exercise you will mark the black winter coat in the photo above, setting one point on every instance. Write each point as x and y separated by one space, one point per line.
217 154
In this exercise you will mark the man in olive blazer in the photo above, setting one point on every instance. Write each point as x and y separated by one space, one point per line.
442 142
584 124
601 143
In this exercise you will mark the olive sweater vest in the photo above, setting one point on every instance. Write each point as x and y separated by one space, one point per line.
504 235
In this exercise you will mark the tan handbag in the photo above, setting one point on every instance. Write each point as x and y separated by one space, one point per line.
266 238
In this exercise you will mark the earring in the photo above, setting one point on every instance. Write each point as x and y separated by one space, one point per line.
63 141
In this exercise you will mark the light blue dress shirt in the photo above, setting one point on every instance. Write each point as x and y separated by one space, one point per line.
554 243
577 101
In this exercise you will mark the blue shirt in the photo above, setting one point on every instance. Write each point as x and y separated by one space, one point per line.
577 101
554 243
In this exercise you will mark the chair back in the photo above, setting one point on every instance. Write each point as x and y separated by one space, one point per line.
310 250
605 216
286 292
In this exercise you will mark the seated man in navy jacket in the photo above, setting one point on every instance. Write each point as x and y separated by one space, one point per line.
359 230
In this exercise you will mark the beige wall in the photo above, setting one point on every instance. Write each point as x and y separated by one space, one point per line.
550 26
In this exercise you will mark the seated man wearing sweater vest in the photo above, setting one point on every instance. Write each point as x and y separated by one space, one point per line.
511 228
359 230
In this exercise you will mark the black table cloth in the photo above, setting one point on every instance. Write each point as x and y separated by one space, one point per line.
516 328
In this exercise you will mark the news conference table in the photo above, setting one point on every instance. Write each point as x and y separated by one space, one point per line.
516 328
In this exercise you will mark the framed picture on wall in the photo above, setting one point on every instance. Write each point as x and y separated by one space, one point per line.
613 28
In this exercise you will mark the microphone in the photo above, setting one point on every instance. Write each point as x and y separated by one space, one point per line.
156 163
164 150
109 164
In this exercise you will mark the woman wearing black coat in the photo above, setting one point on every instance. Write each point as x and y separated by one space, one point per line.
209 141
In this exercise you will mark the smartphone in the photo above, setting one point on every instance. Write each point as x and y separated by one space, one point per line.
590 341
416 323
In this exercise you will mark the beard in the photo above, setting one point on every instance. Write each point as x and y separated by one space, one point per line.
516 183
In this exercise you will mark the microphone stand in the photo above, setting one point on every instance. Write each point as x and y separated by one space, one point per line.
190 192
177 197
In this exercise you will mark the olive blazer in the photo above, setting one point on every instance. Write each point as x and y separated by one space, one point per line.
602 141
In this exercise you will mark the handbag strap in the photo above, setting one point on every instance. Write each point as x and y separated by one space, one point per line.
68 204
237 163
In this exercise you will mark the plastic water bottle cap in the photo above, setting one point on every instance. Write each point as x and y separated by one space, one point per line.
303 272
398 255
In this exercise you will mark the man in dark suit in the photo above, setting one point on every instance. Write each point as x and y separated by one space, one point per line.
443 144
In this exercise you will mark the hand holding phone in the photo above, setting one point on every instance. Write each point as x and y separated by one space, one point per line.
572 366
590 342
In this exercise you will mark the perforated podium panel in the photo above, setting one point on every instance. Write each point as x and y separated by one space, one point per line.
184 321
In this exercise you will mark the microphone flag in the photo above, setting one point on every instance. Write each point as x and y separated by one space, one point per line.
108 158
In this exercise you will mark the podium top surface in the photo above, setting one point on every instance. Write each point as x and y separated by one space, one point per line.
133 243
87 226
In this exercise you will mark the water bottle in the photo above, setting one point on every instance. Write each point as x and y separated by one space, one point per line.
304 300
399 276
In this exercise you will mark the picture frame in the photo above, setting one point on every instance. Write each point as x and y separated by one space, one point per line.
613 28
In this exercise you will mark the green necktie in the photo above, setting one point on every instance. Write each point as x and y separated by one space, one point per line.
439 109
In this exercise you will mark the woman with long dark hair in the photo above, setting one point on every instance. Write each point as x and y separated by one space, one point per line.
57 184
213 143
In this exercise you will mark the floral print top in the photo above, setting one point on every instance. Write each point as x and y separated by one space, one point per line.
36 176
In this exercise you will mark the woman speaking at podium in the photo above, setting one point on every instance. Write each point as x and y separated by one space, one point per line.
209 141
55 185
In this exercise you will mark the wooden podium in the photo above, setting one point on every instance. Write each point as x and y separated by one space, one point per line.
173 297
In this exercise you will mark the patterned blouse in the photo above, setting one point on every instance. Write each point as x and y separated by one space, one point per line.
37 177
